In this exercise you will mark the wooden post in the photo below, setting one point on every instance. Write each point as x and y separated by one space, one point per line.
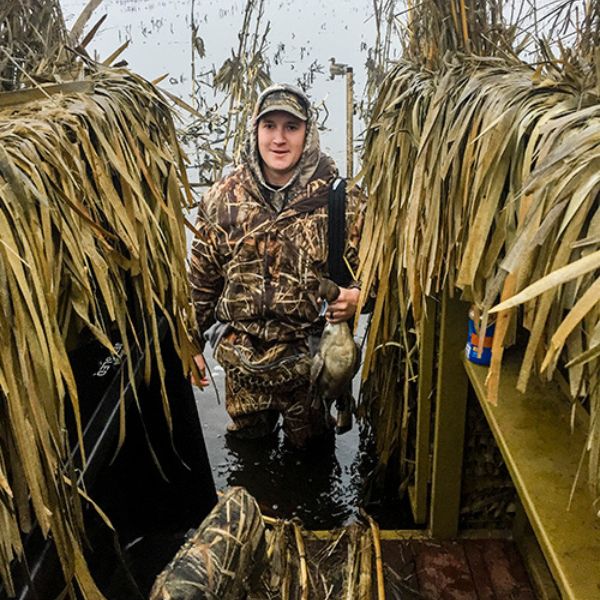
419 492
349 122
450 413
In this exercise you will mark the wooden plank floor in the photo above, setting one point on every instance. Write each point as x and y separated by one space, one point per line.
455 570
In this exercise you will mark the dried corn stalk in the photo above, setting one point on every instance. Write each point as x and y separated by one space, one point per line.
482 176
32 41
92 243
219 130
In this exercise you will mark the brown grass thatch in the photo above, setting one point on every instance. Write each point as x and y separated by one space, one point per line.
32 41
92 243
482 175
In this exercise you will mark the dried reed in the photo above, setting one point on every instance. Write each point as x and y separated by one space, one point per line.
481 168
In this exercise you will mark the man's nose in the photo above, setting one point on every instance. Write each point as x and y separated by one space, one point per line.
279 135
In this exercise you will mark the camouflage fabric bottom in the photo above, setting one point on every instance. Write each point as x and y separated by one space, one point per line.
224 557
264 366
266 379
250 409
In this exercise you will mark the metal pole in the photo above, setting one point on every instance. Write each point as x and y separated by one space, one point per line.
349 122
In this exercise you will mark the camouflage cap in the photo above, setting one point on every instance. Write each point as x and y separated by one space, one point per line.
287 102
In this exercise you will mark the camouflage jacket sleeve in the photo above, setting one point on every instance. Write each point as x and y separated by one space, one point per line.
205 274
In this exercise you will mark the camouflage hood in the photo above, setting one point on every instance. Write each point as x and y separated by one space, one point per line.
312 163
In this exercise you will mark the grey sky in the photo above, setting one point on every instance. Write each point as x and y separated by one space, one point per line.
310 30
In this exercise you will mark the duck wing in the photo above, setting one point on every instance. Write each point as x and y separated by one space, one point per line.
316 368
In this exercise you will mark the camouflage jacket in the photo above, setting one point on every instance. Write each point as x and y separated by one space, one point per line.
260 253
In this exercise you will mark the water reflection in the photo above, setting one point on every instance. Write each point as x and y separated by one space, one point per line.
290 483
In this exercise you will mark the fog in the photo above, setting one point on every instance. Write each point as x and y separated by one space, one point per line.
300 34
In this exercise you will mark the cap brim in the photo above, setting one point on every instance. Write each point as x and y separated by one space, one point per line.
284 108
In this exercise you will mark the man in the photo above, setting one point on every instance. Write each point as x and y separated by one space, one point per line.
257 260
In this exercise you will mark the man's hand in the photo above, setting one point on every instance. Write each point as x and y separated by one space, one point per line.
201 364
344 307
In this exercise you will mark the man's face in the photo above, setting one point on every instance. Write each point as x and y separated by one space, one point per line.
280 144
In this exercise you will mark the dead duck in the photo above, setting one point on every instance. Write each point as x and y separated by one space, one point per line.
335 363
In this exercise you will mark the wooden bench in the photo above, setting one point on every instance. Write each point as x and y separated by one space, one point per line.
543 455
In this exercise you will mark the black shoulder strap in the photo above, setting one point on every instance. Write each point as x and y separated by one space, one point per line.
338 271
